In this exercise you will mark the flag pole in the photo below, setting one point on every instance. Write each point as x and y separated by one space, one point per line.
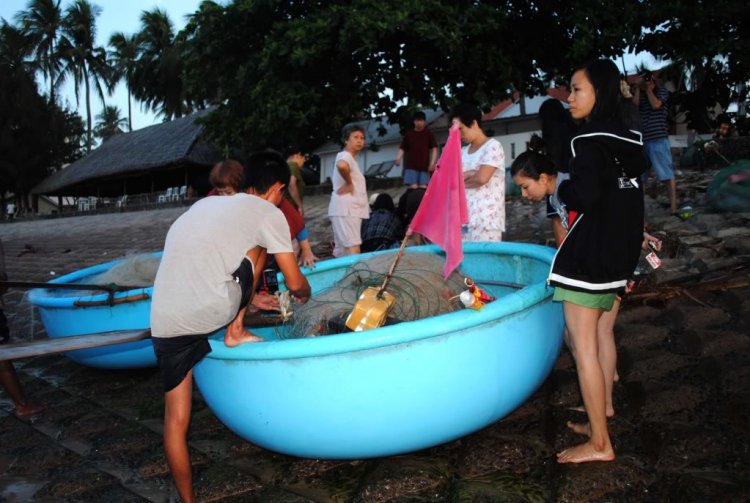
393 266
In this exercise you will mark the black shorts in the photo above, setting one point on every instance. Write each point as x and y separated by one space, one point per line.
244 276
4 331
176 356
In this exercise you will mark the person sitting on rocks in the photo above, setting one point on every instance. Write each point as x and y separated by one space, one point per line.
213 257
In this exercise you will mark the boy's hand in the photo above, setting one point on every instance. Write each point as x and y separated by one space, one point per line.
308 259
300 300
266 302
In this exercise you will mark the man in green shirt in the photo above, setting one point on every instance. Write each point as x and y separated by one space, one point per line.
296 187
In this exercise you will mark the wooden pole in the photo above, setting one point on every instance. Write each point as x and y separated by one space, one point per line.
393 266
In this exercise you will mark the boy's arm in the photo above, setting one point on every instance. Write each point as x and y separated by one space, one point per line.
296 282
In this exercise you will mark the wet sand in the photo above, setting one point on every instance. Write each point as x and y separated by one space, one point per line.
680 431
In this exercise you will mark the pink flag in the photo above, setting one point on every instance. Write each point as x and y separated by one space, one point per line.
443 209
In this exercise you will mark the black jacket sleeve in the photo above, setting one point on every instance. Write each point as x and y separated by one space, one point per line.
583 191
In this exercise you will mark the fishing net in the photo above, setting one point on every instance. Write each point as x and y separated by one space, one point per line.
417 285
138 271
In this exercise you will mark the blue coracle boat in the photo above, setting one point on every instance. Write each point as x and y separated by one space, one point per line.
64 315
398 388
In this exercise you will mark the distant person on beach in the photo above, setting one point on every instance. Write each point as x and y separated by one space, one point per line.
213 257
651 100
601 250
419 151
483 162
295 191
8 376
349 204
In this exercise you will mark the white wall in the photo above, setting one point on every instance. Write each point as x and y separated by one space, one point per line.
516 133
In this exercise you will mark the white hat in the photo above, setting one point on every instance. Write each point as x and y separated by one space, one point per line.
373 198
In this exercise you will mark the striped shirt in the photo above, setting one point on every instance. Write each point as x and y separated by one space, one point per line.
654 122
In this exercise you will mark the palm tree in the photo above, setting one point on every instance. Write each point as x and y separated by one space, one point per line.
123 59
85 62
42 22
158 76
108 122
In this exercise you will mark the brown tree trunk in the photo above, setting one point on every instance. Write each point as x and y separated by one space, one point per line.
88 110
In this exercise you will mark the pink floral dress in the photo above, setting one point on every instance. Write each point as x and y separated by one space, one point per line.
486 204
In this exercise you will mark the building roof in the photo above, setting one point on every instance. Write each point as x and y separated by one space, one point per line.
372 131
161 145
532 107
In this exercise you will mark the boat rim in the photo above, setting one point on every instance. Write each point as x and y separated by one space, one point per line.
39 299
428 328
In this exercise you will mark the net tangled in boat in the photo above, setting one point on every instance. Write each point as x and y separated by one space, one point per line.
417 285
137 271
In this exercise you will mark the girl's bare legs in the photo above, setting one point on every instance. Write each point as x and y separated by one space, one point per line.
608 351
582 325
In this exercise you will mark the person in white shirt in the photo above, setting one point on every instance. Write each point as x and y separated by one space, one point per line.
349 204
213 256
483 163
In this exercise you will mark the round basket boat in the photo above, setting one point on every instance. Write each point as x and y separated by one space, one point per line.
66 315
398 388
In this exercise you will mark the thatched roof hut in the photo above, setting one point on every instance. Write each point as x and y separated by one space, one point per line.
164 155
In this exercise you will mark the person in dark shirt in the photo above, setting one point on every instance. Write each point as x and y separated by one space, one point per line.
383 229
652 99
420 148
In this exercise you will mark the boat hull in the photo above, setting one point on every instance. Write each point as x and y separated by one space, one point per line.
63 318
399 388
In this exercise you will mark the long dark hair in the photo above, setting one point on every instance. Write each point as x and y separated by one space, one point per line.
535 161
605 78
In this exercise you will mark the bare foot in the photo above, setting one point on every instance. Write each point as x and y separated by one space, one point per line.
239 335
580 428
610 412
28 410
585 453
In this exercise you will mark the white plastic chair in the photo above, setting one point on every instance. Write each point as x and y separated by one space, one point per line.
163 198
183 192
83 205
175 194
122 201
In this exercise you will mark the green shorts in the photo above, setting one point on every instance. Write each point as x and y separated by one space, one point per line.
593 300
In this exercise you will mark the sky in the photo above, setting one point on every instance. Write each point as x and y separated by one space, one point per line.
117 15
124 15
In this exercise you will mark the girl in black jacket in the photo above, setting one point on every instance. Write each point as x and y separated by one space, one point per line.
602 247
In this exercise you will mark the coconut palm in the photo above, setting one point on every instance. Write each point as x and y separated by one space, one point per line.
42 22
158 76
85 62
109 122
15 47
123 59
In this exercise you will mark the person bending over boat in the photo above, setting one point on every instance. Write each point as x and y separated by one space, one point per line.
213 256
602 247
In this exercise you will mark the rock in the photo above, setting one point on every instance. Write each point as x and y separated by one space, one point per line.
732 232
694 240
706 221
691 254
